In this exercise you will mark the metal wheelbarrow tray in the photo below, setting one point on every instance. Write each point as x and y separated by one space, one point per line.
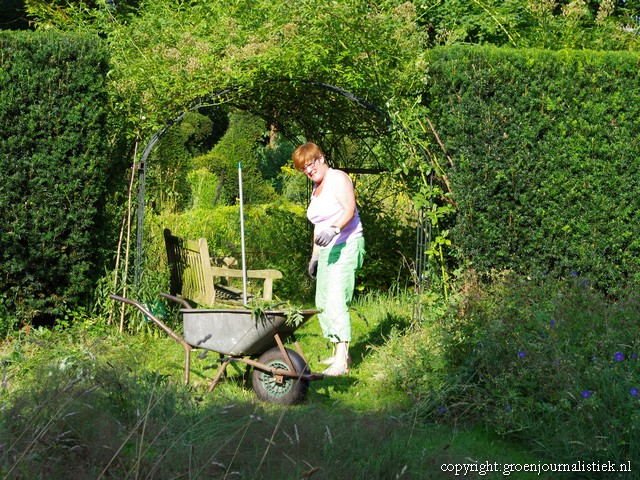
279 374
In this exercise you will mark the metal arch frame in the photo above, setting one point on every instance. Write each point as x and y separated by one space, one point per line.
424 227
377 123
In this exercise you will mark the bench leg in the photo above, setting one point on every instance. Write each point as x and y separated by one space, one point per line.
268 289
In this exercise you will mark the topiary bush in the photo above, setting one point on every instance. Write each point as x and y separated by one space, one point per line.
53 158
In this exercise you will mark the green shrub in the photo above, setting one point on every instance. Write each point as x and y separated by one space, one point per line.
276 236
171 162
239 145
545 148
53 161
203 185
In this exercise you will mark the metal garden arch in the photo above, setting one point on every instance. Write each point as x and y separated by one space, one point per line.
325 113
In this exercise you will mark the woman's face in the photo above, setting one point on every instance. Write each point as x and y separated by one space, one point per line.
315 169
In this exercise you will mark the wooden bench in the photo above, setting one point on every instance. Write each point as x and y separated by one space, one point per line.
192 271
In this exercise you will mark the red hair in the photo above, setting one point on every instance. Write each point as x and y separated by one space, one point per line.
305 154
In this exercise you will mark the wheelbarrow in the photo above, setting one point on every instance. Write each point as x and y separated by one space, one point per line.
279 374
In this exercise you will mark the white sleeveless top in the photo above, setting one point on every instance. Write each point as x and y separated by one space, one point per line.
325 209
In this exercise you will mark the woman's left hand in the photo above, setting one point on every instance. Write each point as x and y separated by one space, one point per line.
324 238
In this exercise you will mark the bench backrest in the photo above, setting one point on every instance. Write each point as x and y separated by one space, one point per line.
192 275
190 269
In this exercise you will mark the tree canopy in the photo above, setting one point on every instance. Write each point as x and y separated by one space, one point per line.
168 54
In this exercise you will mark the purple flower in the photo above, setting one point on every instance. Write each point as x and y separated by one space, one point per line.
634 392
619 356
521 354
441 409
508 409
553 322
586 393
634 356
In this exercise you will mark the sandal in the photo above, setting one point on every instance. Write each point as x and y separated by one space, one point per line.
332 359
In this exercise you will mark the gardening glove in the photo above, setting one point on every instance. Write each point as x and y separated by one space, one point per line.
324 238
313 266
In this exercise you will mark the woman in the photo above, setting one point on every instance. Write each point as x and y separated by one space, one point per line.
338 249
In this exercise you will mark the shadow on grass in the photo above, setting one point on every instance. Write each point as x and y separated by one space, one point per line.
375 337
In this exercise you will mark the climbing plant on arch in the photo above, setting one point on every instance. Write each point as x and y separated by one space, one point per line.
357 137
166 53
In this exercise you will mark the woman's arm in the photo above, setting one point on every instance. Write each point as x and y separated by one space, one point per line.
347 199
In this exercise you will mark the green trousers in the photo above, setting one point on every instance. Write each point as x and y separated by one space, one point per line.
336 279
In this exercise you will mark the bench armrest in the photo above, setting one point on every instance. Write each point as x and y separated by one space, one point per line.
237 273
268 276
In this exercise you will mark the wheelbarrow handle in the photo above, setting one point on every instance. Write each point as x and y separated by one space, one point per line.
179 300
138 305
157 321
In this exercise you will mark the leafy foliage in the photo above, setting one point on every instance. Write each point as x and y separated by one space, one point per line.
549 24
51 87
551 363
165 56
238 147
170 162
275 236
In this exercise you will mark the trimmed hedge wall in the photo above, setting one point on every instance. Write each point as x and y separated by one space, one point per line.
547 159
53 161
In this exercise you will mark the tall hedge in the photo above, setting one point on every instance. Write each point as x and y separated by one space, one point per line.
546 148
53 163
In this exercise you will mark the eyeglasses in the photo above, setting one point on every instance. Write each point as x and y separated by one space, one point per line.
310 165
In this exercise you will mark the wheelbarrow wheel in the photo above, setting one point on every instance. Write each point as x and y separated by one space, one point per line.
285 391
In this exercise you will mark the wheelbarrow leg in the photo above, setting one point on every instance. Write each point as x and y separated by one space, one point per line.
299 350
283 350
187 363
219 375
247 374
